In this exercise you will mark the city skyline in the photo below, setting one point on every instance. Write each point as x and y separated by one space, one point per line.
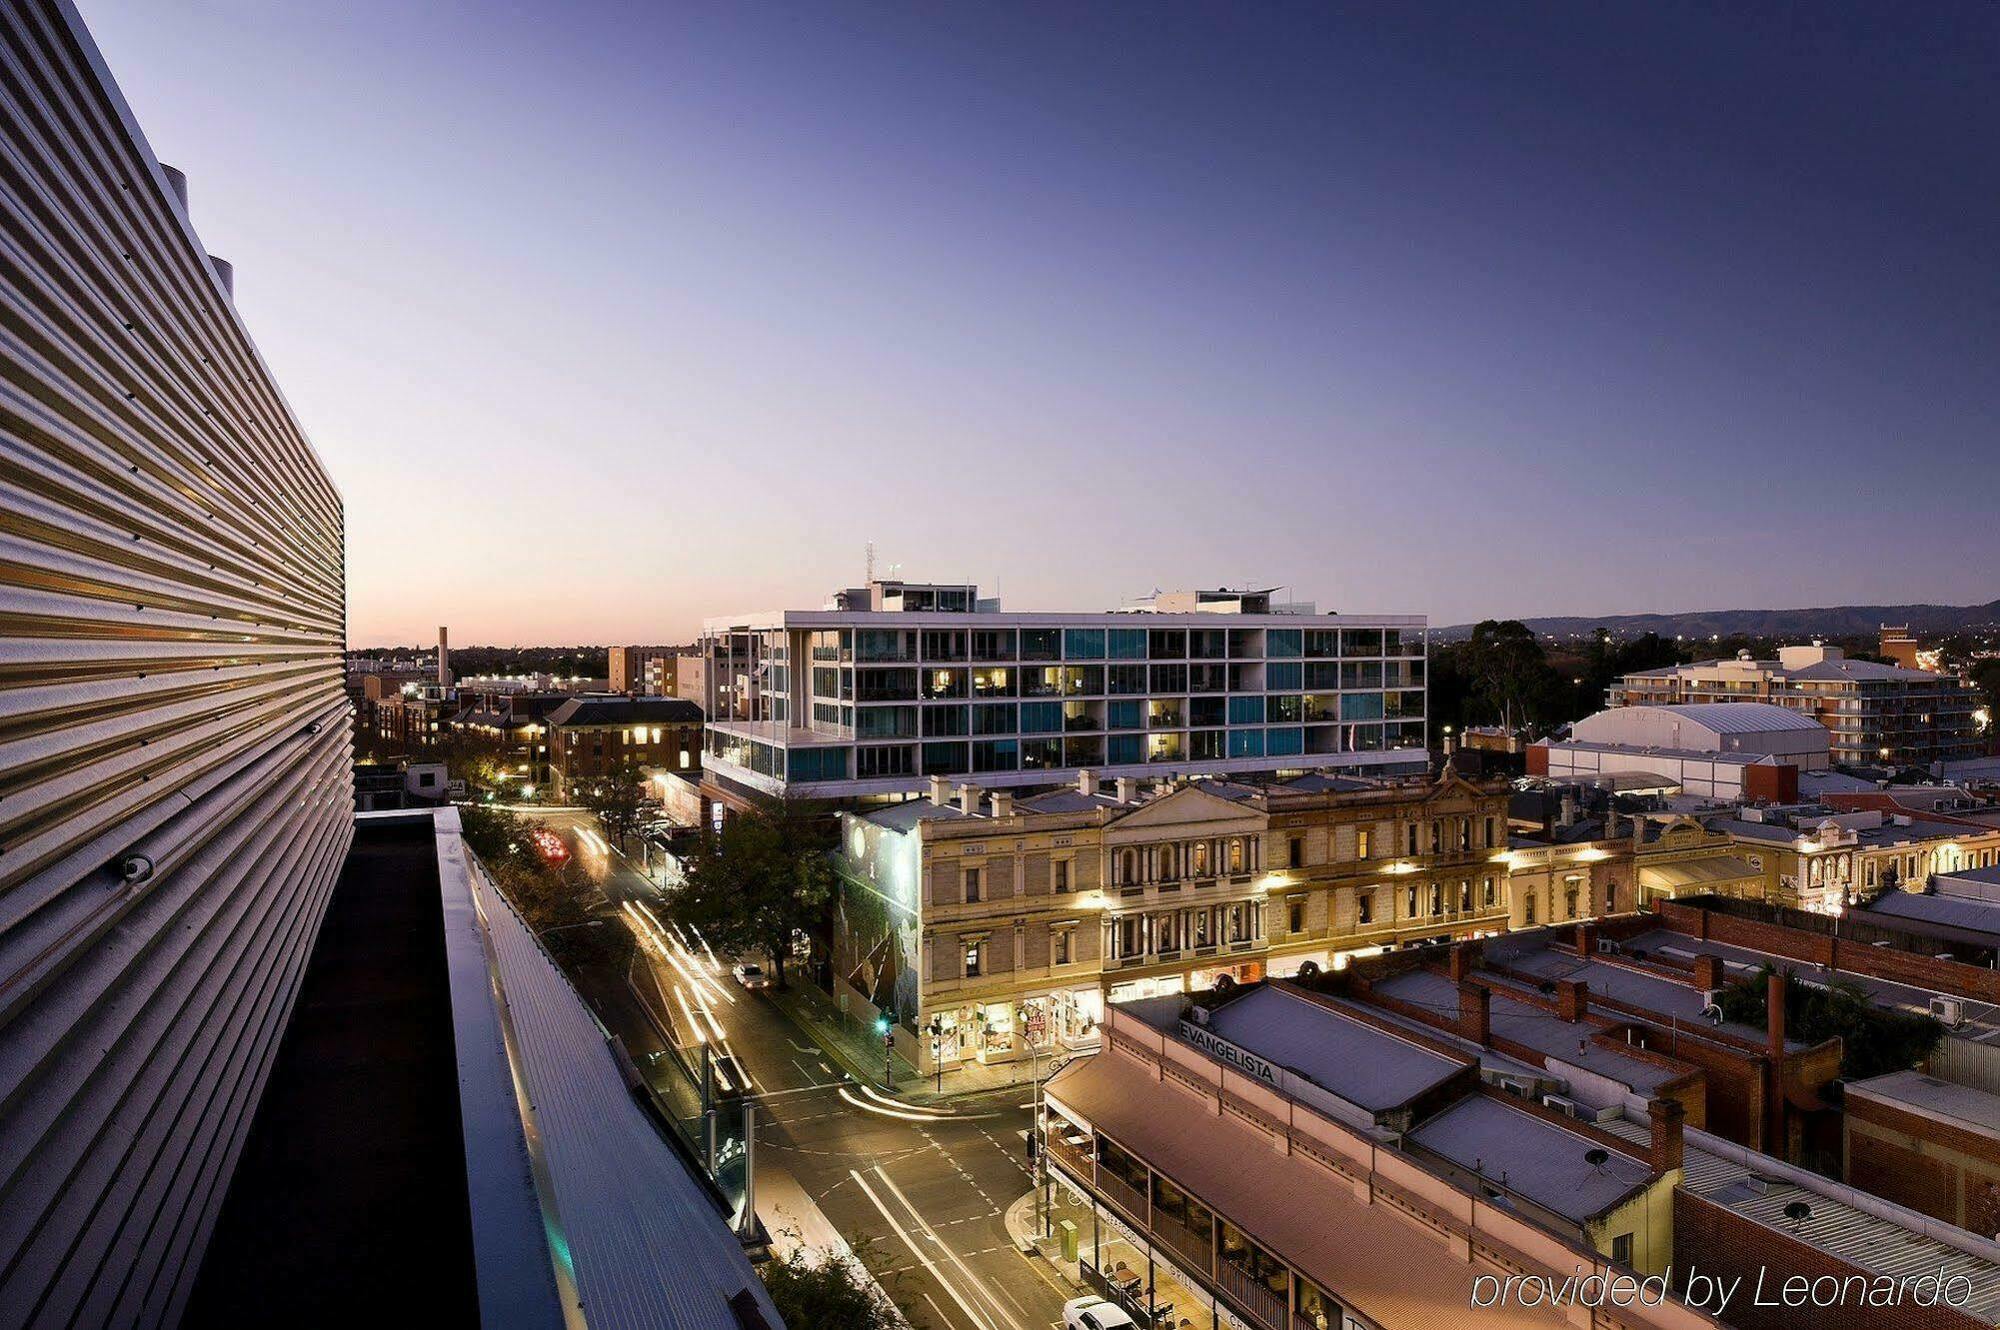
1461 314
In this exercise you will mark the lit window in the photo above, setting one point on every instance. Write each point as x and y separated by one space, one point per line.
972 950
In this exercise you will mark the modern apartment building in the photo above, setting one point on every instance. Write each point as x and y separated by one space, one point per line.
175 749
897 682
654 671
1875 713
987 922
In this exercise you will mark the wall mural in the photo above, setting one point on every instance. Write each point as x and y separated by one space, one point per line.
876 941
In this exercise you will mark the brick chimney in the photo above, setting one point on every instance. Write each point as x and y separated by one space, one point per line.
444 658
1572 999
1475 1012
1086 782
968 800
1128 790
1003 803
940 791
1461 959
1774 1016
1586 939
1708 972
1664 1147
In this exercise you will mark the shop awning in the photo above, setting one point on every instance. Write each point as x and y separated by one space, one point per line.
1698 874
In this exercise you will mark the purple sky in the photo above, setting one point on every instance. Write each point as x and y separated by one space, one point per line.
609 317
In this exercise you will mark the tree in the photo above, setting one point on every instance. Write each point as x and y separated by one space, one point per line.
1508 670
554 908
1986 678
619 800
1874 1040
762 878
828 1290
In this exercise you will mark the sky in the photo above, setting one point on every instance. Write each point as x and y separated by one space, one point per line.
607 318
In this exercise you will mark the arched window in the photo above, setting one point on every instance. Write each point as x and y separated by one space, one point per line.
1128 866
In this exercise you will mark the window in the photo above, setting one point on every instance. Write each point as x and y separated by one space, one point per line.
971 885
972 959
1464 897
1487 893
1528 911
1413 841
1364 908
1295 916
1621 1249
1489 834
1062 875
1295 849
1065 946
1236 856
1361 846
1437 899
1569 899
1410 902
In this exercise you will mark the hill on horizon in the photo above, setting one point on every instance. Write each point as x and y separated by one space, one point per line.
1826 621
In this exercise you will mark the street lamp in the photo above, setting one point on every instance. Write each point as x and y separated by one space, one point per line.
564 928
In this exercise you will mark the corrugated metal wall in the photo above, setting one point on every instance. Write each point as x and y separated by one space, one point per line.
174 762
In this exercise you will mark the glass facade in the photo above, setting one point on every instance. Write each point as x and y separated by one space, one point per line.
886 702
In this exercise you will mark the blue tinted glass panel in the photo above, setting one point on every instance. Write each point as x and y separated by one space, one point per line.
1125 750
1246 711
1284 677
1284 743
1128 643
1246 743
1083 643
1127 715
1361 706
1283 642
1045 717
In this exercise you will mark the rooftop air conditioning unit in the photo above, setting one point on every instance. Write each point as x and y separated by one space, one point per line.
1607 946
1950 1010
1563 1104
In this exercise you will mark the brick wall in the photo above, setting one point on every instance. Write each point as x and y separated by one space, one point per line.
1710 1239
1822 949
1942 1170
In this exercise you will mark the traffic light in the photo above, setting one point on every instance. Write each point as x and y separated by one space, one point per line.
883 1022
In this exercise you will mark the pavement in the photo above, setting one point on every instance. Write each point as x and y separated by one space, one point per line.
918 1191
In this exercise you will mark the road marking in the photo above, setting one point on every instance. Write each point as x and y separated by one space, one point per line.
977 1284
939 1310
916 1249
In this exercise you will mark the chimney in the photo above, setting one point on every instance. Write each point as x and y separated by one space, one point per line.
1003 803
1611 821
1586 939
1774 1016
1572 999
444 657
1465 957
940 791
1566 816
1086 782
1707 972
1128 790
1663 1149
968 800
1475 1012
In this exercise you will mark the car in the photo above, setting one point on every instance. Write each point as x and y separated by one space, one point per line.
730 1080
751 975
1094 1313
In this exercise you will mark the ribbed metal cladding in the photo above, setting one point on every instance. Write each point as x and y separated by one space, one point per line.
175 775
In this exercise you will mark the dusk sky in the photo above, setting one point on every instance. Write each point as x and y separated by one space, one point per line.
610 317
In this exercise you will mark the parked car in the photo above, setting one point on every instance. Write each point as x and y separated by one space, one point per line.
1094 1313
751 975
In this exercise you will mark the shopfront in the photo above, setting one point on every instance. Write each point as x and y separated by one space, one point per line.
986 1033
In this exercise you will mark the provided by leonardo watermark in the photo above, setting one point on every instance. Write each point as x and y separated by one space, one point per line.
1768 1288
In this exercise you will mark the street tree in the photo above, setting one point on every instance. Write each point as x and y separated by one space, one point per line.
754 884
619 800
828 1290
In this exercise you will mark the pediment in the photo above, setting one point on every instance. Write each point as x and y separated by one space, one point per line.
1189 806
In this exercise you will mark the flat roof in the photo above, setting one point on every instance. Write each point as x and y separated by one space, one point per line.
1962 1106
1339 1052
355 1161
1534 1026
950 619
1540 1161
1623 983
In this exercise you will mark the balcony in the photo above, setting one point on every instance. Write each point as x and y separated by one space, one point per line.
1130 1199
1073 1152
1184 1242
1252 1295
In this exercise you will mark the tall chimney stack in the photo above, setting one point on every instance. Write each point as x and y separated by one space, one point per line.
1774 1015
444 657
1666 1141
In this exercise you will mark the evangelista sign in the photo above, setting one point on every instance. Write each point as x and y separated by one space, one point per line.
1223 1051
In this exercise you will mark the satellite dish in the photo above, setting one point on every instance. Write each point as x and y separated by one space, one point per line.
1798 1212
1597 1156
1224 983
1309 971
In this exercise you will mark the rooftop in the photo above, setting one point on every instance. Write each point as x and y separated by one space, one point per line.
1962 1106
627 711
447 1119
1342 1054
1529 1156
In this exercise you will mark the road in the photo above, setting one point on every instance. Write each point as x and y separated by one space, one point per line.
920 1191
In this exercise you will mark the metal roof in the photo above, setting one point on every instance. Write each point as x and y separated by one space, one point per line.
1862 1229
1540 1161
1740 717
1340 1053
634 1238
